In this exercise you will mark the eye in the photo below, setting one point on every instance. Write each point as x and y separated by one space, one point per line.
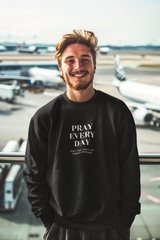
85 60
70 61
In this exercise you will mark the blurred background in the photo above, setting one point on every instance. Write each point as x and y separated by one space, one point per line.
128 35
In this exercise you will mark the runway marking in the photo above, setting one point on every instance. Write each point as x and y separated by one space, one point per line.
156 78
151 180
144 80
149 63
151 198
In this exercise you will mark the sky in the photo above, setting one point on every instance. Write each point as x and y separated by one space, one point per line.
114 22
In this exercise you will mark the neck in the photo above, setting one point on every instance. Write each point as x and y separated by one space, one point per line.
80 95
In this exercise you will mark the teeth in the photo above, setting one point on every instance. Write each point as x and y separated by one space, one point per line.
79 75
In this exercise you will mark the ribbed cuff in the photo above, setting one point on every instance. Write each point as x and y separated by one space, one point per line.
127 219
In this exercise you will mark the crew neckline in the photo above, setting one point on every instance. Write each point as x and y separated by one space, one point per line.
66 100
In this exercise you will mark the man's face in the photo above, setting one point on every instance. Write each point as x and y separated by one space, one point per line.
77 67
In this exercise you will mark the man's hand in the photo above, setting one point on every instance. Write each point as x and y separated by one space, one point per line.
47 230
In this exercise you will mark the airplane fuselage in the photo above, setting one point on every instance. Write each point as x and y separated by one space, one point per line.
45 75
140 92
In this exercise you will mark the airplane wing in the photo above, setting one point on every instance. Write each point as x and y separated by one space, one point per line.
114 83
20 79
148 106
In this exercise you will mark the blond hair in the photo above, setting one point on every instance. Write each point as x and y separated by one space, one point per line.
82 37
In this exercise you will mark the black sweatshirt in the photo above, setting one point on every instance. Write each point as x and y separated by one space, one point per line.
82 165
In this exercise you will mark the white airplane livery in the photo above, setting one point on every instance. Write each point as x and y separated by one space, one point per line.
47 76
42 74
145 98
104 50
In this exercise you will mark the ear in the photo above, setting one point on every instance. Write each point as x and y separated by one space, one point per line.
95 67
60 69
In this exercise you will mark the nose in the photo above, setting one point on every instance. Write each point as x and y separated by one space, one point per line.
78 65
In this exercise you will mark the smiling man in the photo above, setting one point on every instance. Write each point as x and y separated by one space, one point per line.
77 67
82 165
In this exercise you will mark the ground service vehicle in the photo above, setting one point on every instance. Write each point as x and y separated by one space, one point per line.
11 180
9 92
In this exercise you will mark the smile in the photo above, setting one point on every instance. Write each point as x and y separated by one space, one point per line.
79 74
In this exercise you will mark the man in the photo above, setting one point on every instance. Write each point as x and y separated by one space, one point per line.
82 166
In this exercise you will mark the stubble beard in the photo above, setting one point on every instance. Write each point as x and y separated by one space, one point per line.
80 86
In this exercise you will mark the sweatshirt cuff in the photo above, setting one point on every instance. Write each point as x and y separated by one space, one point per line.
47 219
127 219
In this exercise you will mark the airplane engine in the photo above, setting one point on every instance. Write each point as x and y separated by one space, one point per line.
142 115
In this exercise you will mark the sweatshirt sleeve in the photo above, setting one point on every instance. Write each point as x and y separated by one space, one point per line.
129 167
34 173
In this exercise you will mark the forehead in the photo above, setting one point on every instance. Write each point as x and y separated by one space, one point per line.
75 50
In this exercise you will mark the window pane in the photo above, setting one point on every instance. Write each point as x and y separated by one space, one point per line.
15 118
20 223
16 218
147 224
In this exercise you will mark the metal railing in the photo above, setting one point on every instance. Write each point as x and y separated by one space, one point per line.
19 157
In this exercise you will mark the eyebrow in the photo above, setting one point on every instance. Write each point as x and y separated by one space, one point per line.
84 55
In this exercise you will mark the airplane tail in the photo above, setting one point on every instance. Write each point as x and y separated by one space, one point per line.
119 70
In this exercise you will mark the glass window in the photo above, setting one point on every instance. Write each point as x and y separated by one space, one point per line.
128 29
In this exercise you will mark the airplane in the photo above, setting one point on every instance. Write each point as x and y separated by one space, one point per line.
2 48
51 49
37 49
21 68
32 49
39 75
22 81
145 98
49 77
104 50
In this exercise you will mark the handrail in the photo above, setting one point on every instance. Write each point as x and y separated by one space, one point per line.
19 157
12 157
